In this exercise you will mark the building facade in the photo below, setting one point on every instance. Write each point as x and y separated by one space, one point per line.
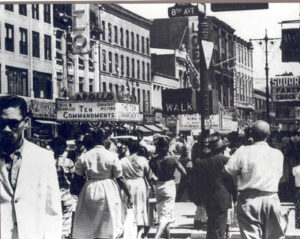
243 81
260 106
124 53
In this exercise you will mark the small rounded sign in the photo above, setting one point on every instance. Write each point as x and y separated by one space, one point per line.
79 41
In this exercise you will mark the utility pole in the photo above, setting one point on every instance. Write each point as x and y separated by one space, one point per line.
266 40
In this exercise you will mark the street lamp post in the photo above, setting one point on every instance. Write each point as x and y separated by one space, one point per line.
266 40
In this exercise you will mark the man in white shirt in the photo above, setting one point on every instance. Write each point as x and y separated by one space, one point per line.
258 169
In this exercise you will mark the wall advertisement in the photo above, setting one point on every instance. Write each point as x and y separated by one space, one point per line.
193 122
285 88
97 111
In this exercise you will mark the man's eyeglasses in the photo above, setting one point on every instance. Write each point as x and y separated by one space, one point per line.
11 123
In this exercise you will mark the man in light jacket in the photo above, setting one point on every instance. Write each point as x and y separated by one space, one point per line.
30 206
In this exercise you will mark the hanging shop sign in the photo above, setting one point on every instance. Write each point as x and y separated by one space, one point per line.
285 88
228 124
40 109
193 122
149 119
179 101
97 111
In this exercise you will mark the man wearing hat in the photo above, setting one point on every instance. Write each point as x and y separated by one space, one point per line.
216 188
258 169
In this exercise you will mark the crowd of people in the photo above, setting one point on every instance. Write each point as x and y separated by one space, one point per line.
89 191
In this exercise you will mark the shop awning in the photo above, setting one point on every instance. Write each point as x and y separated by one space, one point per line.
47 122
143 129
164 128
153 128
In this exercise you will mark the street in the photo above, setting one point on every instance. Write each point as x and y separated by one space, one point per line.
183 226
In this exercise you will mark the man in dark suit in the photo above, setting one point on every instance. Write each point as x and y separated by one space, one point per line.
216 187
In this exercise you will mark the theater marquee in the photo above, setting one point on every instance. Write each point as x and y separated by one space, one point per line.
97 111
285 88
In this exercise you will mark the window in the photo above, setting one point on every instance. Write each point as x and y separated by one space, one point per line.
103 30
23 9
9 7
103 60
47 13
109 32
17 80
148 46
35 44
143 45
137 42
116 89
81 83
148 72
42 85
110 87
127 67
122 65
138 69
91 83
117 63
35 11
23 41
104 87
9 38
132 41
116 34
143 70
110 61
148 99
47 47
121 37
144 101
127 39
132 68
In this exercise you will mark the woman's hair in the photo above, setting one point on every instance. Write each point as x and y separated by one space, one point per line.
58 142
133 146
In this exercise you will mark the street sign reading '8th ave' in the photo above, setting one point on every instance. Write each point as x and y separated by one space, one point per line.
183 10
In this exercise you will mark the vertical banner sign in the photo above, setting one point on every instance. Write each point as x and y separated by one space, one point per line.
81 28
290 45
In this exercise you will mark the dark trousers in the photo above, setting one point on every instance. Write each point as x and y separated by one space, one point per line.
216 223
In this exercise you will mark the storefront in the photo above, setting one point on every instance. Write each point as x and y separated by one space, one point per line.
43 121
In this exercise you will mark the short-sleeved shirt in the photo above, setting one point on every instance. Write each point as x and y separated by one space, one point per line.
257 166
134 166
99 163
164 167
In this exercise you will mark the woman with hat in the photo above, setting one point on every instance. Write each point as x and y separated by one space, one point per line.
163 166
216 188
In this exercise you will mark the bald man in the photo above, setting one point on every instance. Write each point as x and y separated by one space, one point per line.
258 169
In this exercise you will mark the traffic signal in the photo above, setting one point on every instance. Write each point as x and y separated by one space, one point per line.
290 45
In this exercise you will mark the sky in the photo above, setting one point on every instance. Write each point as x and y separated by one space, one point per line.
248 25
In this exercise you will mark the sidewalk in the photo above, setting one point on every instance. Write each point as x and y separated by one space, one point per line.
183 226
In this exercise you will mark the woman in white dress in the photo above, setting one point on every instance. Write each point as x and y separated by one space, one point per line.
136 171
100 213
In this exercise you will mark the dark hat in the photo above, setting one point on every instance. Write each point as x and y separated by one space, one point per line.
216 145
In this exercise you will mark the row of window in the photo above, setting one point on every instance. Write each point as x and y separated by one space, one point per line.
137 43
141 95
35 10
23 43
244 56
139 70
244 90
